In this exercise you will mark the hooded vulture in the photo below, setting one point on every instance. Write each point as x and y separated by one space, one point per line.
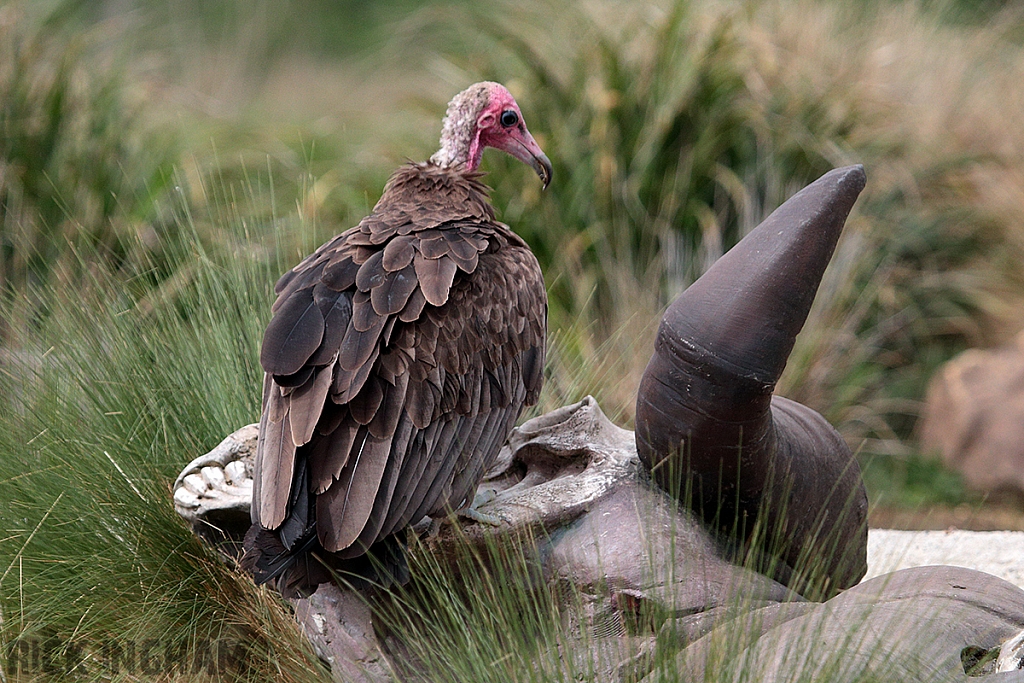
397 360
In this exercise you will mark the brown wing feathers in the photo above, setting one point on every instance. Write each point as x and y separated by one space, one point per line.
293 334
393 376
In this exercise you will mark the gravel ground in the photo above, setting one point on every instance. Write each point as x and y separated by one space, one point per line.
1000 553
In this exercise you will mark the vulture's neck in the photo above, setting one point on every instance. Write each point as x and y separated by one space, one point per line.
460 137
459 149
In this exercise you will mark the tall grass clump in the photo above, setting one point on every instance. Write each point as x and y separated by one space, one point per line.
80 165
120 388
478 613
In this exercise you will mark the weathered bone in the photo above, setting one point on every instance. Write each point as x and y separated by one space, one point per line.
572 470
214 491
577 457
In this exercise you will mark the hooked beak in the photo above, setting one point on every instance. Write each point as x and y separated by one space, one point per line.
526 149
542 165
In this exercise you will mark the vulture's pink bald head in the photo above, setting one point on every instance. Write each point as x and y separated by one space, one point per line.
486 115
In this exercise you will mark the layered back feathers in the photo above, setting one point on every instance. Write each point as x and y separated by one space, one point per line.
398 358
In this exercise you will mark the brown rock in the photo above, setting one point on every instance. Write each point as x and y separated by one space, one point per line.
974 417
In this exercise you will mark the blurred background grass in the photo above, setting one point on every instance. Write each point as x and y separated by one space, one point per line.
162 163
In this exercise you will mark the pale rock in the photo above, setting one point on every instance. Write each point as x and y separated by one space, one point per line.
974 417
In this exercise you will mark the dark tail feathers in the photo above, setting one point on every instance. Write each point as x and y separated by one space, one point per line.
299 570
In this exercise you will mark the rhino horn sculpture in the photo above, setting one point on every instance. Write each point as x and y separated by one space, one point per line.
707 424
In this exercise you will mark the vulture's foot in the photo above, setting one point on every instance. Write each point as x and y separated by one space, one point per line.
473 512
475 515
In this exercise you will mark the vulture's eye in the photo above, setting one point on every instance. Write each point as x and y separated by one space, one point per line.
509 118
